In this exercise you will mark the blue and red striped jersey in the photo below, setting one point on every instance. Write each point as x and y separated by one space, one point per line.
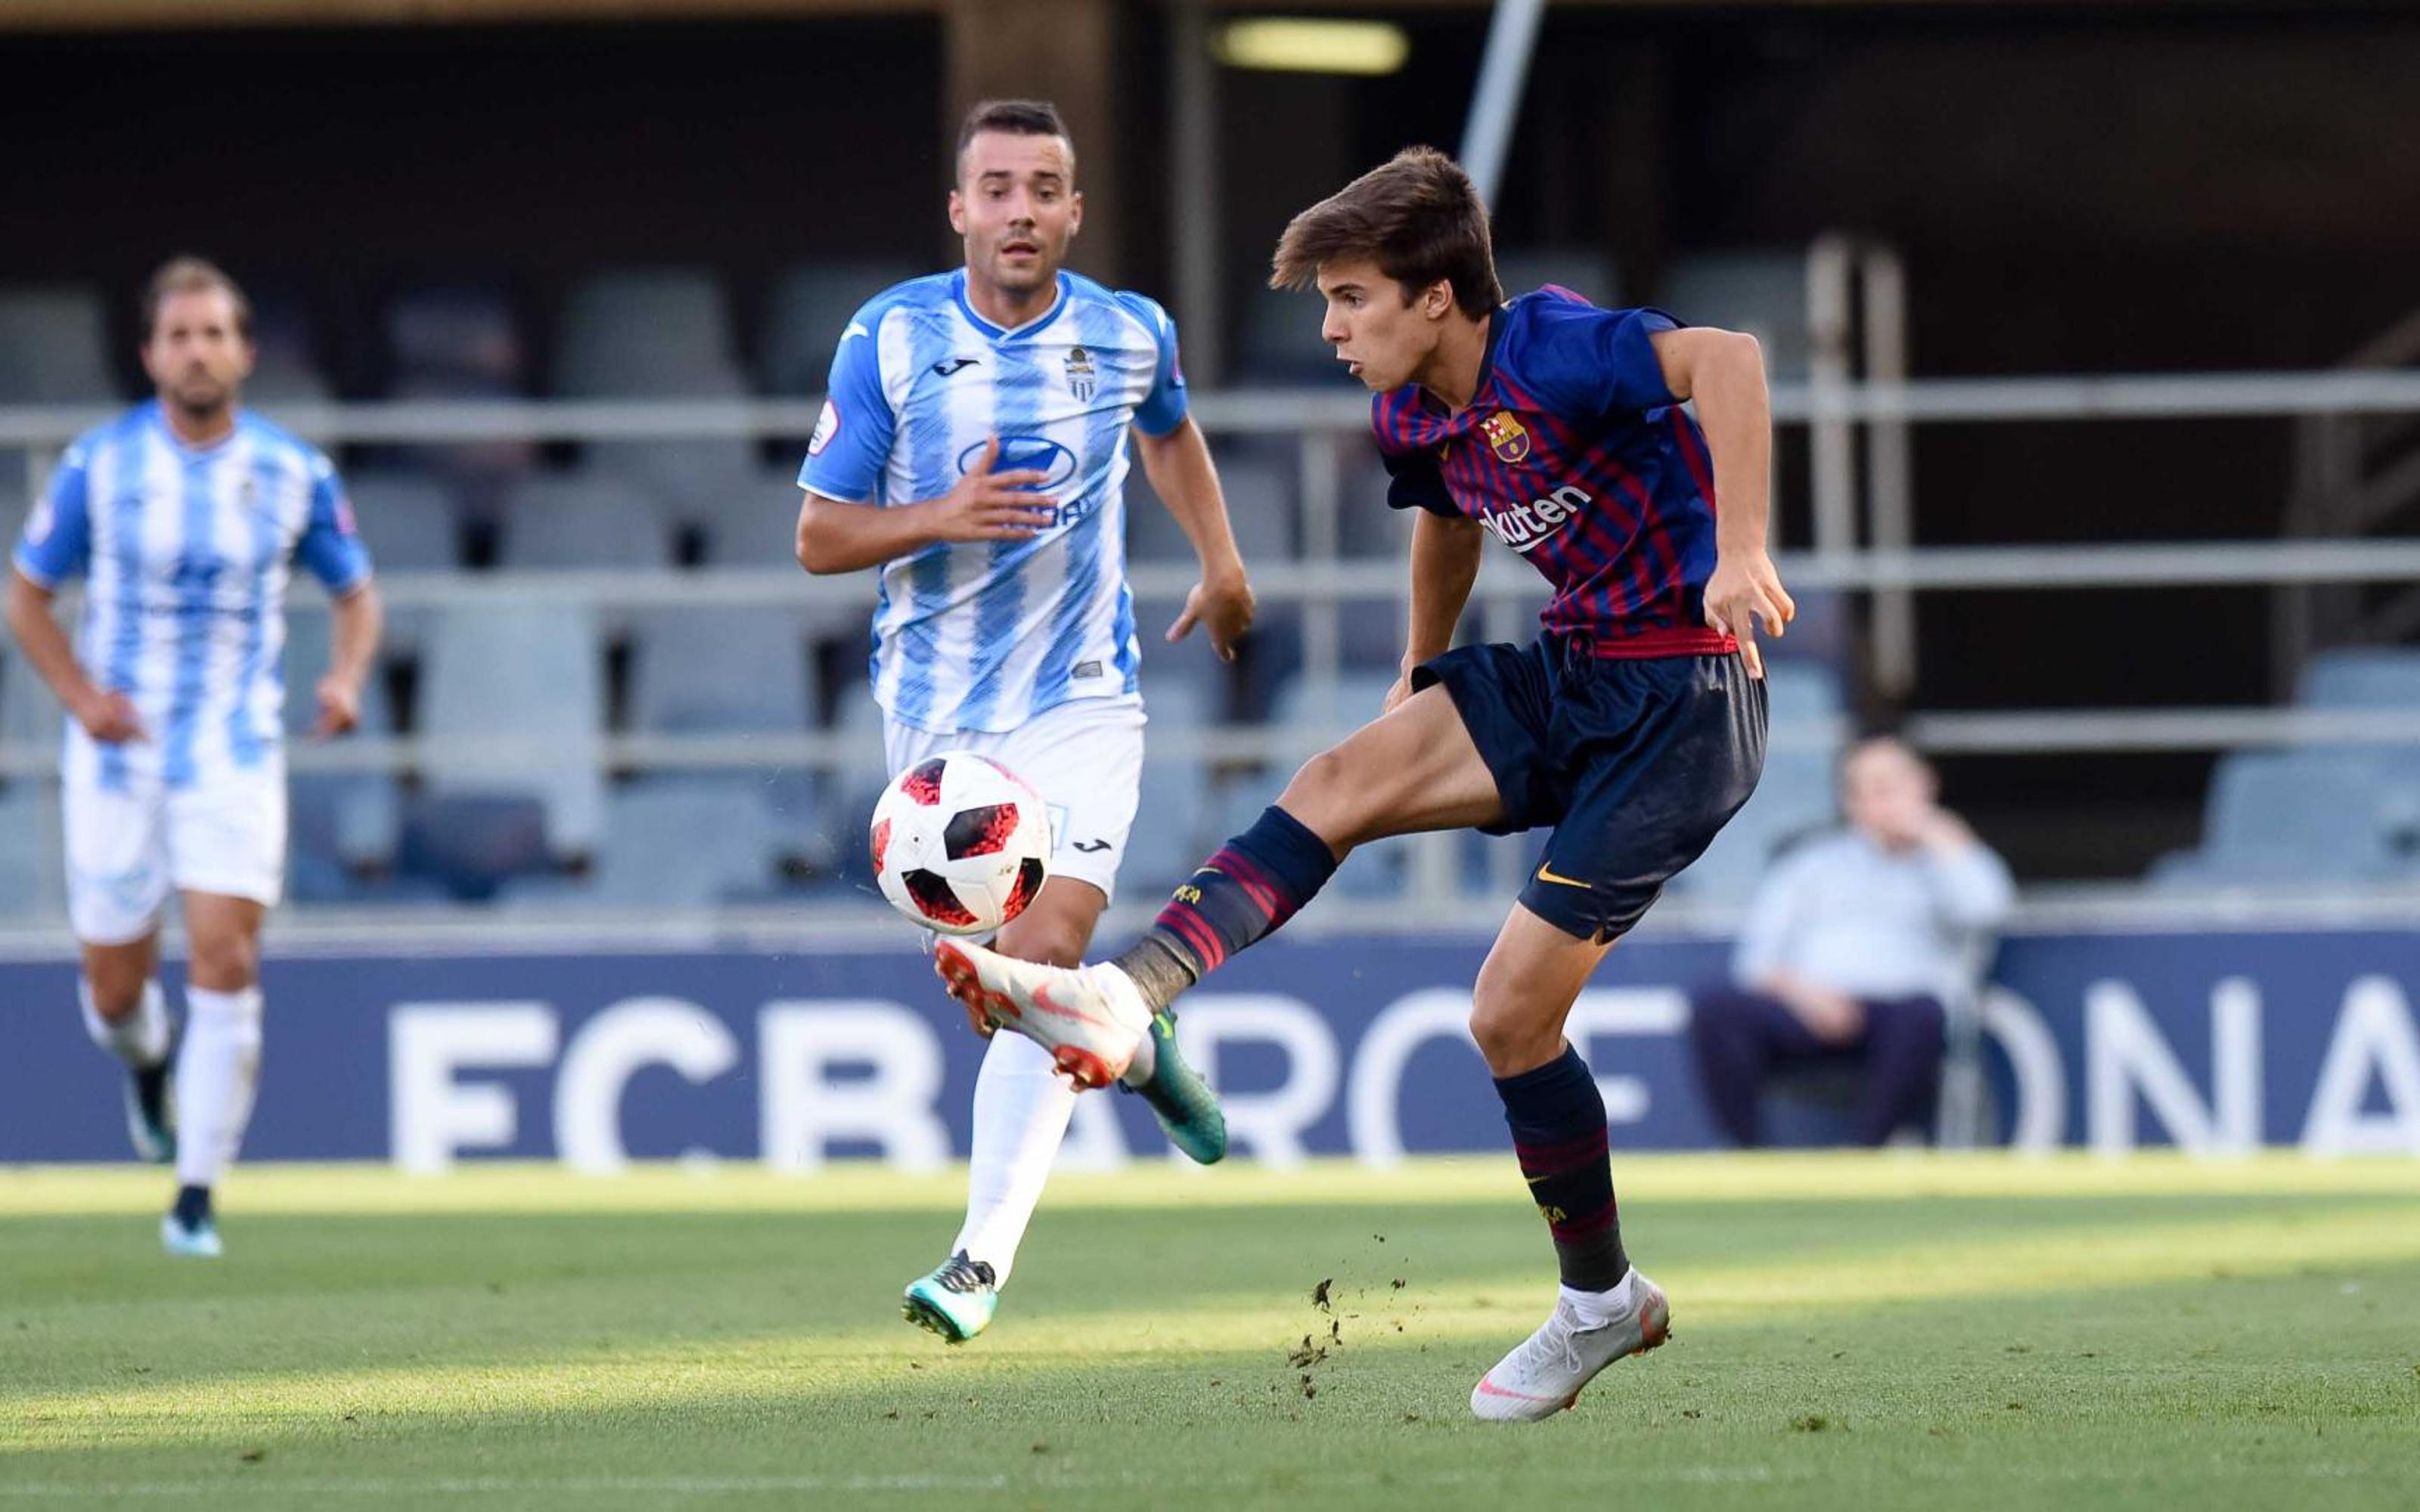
1574 452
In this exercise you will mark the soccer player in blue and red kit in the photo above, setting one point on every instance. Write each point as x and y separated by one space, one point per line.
1634 725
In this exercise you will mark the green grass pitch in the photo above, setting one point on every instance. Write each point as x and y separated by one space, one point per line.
1853 1331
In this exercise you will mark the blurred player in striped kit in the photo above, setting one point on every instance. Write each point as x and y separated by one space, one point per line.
975 448
184 515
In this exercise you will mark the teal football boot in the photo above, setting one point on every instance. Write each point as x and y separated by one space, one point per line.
1186 1108
193 1242
956 1300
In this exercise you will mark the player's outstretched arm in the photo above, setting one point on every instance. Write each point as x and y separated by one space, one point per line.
985 506
1723 372
1445 564
107 716
1181 473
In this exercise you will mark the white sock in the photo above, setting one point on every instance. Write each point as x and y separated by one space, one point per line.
1597 1308
1022 1110
217 1071
141 1038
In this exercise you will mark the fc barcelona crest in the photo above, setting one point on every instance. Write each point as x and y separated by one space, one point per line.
1079 374
1505 437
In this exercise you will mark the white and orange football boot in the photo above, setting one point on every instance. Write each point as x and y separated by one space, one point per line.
1091 1019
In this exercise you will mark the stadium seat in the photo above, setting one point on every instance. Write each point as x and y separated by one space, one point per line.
340 824
2361 677
407 522
1365 525
472 843
550 691
1256 477
587 518
33 879
721 671
30 715
2312 815
1585 271
55 347
456 334
809 309
754 523
692 481
646 334
671 842
286 368
16 499
1281 340
1761 292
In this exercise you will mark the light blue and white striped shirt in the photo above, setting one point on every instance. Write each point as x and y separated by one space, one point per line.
186 550
984 636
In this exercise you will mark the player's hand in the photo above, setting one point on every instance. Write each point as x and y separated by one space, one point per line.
993 506
108 716
1743 590
340 707
1835 1018
1221 604
1395 695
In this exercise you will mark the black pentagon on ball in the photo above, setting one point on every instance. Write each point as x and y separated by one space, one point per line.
982 831
934 897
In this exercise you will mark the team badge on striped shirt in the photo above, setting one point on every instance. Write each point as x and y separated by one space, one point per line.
1079 374
1505 436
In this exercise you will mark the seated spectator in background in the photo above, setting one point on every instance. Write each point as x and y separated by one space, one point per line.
1859 944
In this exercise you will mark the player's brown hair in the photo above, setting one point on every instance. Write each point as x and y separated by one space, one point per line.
1418 215
193 275
1017 118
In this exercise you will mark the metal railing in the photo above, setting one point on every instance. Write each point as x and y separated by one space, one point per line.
1320 582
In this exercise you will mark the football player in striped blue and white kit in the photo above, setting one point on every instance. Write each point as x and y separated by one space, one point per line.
184 515
975 448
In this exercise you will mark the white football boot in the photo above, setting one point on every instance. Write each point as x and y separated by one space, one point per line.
1091 1019
1545 1374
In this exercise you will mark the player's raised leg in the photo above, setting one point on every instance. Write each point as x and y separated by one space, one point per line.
217 1067
1605 1309
1414 768
126 1015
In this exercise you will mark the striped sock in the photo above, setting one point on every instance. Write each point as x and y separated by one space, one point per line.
1558 1120
1256 881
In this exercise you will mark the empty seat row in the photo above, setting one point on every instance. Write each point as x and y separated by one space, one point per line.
671 330
2343 814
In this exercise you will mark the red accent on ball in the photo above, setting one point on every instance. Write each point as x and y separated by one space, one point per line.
983 831
1028 882
922 783
881 843
935 900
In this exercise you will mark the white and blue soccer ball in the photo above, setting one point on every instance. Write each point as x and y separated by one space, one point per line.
961 843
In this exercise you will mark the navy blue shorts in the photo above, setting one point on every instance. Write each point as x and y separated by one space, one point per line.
1634 763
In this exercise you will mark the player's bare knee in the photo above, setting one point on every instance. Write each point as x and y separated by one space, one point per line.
116 994
1331 799
1509 1039
224 963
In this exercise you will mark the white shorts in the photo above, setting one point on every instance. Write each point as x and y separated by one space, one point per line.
127 849
1083 756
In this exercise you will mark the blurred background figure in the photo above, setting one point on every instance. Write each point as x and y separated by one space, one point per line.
1861 944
